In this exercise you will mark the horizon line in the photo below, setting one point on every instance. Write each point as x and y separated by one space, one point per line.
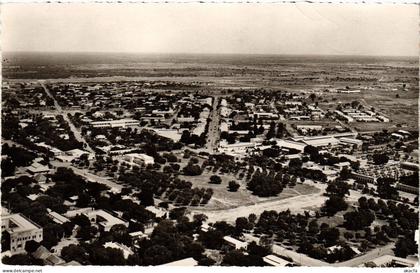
206 53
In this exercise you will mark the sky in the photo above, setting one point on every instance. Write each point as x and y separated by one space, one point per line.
346 29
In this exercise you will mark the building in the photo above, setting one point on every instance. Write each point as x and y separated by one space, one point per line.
407 188
120 123
235 243
236 148
21 230
136 159
410 166
125 249
47 257
183 262
390 261
104 219
56 217
288 144
274 260
362 178
37 168
352 141
321 141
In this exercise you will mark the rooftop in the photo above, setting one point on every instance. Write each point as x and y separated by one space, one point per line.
183 262
21 223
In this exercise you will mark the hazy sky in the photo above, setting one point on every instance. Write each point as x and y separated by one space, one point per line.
212 28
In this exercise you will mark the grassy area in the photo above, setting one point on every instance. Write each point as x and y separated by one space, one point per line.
224 199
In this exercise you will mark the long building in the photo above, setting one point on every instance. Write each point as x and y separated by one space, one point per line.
119 123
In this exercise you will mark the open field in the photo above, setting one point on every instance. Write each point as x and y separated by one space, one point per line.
224 199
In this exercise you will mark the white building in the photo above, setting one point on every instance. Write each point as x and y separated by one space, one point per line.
136 159
235 242
103 219
21 230
183 262
120 123
274 260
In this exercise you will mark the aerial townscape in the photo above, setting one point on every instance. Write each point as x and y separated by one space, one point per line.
130 159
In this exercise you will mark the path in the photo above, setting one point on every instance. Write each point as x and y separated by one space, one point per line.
213 133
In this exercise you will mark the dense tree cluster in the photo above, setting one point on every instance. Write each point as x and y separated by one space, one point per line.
163 185
264 185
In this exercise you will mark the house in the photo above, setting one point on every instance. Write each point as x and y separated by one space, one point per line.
183 262
21 230
37 168
40 178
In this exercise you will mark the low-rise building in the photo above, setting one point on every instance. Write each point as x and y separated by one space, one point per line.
104 219
136 159
390 261
21 230
274 260
183 262
237 244
120 123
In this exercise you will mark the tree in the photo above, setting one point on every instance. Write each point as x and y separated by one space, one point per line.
31 246
233 186
385 190
75 253
157 254
21 259
357 220
237 258
5 241
242 224
146 197
333 205
264 185
215 179
313 227
330 236
405 247
380 158
192 170
338 188
120 234
295 164
312 96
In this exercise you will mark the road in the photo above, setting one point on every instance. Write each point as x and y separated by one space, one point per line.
73 128
296 204
213 133
368 256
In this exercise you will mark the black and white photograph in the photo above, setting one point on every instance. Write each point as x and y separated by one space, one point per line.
209 135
